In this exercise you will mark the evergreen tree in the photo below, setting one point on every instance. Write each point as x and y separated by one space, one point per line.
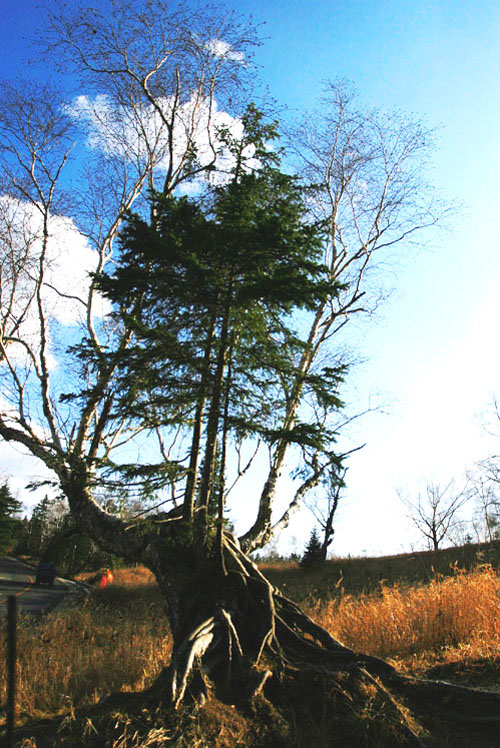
208 289
39 528
10 522
313 554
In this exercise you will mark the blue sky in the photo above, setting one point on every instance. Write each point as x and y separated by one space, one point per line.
433 347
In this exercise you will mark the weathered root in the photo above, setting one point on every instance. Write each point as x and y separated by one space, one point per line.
394 707
255 637
185 656
460 704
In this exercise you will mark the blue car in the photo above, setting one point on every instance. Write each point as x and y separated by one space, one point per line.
45 574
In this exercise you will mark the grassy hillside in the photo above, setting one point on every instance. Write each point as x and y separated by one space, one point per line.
362 575
432 614
439 624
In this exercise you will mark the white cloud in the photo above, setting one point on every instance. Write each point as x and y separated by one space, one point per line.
221 49
136 133
66 260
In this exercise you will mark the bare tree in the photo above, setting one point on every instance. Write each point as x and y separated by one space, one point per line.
149 114
435 513
324 508
371 198
156 81
485 482
484 494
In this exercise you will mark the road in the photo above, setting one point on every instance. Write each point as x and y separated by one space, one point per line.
18 579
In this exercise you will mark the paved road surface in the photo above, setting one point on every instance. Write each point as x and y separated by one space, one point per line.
18 579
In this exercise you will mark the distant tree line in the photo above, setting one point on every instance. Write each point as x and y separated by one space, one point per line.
50 534
11 526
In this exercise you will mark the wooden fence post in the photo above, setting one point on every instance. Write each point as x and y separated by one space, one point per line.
11 667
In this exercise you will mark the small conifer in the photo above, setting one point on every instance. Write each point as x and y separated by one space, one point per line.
313 553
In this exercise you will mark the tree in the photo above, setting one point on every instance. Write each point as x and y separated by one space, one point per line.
487 510
39 528
10 522
209 297
52 534
436 513
486 506
485 479
238 355
371 197
324 508
313 553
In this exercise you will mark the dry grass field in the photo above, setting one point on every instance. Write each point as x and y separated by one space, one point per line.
454 619
447 626
116 641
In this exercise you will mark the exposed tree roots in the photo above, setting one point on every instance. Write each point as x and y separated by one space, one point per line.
255 638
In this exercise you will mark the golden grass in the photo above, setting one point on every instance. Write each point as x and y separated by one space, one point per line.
451 619
118 640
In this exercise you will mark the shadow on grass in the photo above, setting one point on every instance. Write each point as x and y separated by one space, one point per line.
480 673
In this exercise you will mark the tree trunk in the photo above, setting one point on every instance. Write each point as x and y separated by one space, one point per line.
228 627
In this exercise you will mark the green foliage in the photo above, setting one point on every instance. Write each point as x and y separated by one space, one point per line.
10 523
313 554
209 289
249 263
44 521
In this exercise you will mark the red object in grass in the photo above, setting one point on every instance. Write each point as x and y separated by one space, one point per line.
103 581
